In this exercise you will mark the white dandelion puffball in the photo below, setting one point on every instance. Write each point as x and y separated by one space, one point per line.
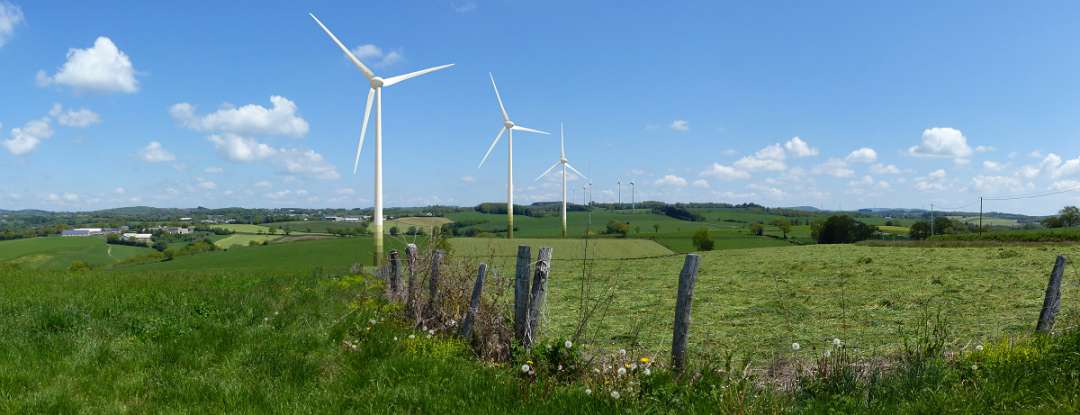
595 370
431 332
412 336
828 353
633 366
525 368
614 394
795 346
622 352
622 371
371 322
568 344
646 372
395 338
588 391
837 342
979 348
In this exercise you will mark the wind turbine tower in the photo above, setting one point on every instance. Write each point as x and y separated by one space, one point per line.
565 165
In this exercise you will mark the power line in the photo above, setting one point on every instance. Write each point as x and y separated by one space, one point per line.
1033 195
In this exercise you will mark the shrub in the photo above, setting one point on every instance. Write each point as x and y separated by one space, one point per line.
842 229
615 227
702 240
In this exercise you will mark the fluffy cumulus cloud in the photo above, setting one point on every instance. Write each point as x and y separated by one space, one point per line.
799 148
670 180
834 167
770 158
701 184
863 155
881 168
306 163
238 148
680 125
722 172
26 138
991 165
293 161
375 56
10 16
252 119
942 142
997 184
935 181
100 68
155 153
79 118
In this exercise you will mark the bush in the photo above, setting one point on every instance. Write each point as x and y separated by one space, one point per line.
615 227
702 240
841 229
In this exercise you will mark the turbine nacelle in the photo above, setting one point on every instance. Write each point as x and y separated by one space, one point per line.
508 124
377 82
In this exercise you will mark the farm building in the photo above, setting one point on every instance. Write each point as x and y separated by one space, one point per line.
137 237
88 231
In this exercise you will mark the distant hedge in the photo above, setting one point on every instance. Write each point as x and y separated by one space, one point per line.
1037 235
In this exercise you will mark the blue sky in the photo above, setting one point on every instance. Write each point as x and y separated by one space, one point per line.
836 105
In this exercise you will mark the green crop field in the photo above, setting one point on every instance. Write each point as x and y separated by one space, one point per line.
242 240
245 228
896 230
562 248
987 221
423 222
59 252
315 226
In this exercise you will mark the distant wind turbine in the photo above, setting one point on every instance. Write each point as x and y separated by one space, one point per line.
508 127
565 165
377 84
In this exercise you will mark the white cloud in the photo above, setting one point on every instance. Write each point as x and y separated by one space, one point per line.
834 167
206 184
10 16
701 183
1068 168
463 7
468 179
722 172
119 190
155 153
26 139
63 198
250 119
74 118
770 158
984 149
278 195
670 180
942 142
680 125
937 174
213 170
237 148
1066 185
263 184
997 184
935 181
880 168
346 191
101 68
884 185
306 163
863 155
769 191
992 165
799 148
376 56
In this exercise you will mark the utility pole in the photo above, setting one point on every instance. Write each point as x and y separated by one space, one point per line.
980 213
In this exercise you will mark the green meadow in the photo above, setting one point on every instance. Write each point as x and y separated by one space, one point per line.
60 252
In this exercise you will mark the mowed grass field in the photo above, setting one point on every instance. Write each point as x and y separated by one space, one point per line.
59 252
245 228
421 222
242 240
564 249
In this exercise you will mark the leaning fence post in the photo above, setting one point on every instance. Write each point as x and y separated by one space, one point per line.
1052 301
682 312
521 292
433 289
395 275
410 291
536 298
474 304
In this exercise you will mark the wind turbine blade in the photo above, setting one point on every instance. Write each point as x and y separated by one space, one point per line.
562 141
363 129
545 173
529 130
492 147
395 79
501 107
367 72
575 171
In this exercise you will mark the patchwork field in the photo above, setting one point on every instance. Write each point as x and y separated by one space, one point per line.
59 252
242 240
245 228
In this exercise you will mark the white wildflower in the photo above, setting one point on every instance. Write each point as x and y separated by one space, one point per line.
622 352
979 348
525 368
646 372
568 344
596 371
622 371
633 366
837 343
828 353
795 346
614 394
371 322
412 336
431 332
588 391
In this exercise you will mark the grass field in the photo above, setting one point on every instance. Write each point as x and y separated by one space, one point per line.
242 240
422 222
896 230
562 248
59 252
987 221
245 228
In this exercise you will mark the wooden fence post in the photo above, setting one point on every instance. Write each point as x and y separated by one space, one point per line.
395 276
474 304
536 298
521 292
433 289
1052 301
410 290
682 312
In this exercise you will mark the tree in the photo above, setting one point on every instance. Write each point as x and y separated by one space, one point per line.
656 228
160 246
1070 216
702 240
842 229
757 229
393 231
943 225
920 230
615 227
783 225
1052 222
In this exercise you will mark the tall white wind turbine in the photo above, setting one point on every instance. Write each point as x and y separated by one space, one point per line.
508 127
377 84
565 165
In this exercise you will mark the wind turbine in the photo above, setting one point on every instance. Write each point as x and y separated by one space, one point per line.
565 165
377 84
508 127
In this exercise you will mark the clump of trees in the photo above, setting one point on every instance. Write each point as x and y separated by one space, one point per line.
615 227
841 229
702 240
757 229
1067 217
678 212
783 225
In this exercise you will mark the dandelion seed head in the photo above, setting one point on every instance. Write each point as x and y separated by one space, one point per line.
622 371
837 343
525 368
979 348
614 394
588 391
795 346
568 344
646 372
